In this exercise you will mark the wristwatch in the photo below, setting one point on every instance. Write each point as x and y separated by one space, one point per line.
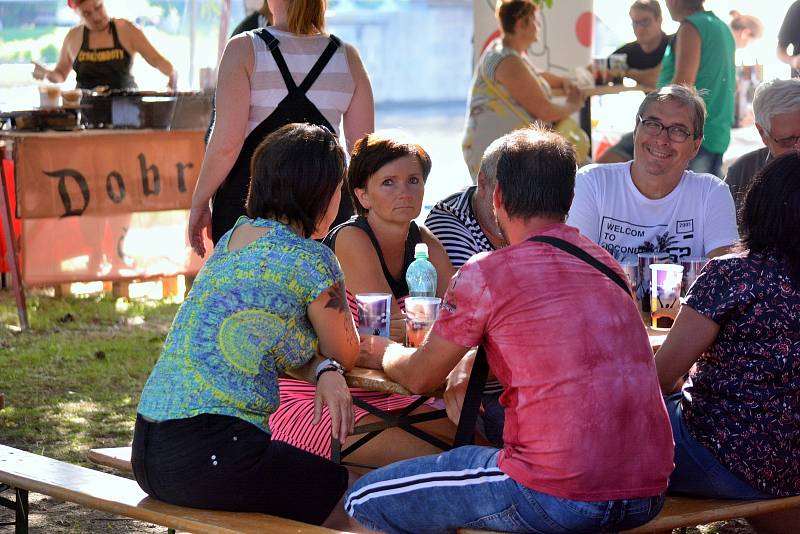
328 365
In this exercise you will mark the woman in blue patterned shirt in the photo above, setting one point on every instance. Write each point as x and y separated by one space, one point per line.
269 300
736 421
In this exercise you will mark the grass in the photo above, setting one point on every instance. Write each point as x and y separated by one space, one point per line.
73 381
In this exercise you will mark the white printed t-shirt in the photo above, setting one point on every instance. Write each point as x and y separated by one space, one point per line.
696 217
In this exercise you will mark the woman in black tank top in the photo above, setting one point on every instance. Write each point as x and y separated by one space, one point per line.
386 181
101 51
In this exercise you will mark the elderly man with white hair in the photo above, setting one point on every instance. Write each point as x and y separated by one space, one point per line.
776 106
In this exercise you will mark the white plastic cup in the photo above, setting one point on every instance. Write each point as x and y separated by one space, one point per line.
646 259
49 96
665 294
374 313
421 313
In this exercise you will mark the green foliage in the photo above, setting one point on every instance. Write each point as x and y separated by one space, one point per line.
19 33
544 3
49 54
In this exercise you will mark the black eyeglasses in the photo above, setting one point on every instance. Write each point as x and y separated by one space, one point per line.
786 142
676 133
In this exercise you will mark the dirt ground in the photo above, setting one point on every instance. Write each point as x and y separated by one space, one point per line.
49 516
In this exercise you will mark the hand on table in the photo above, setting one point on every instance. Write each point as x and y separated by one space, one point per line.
332 391
199 221
372 350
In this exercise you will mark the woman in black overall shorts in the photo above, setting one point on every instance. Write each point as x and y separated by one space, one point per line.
265 80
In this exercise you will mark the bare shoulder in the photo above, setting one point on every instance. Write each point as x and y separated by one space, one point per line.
511 63
240 46
687 29
126 27
74 36
352 240
353 58
427 236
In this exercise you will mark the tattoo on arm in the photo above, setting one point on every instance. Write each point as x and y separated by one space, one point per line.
337 297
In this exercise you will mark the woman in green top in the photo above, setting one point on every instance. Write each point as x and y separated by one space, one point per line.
702 54
269 301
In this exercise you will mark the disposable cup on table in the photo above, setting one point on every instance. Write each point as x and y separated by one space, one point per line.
631 270
374 313
646 259
600 70
421 313
617 66
49 96
665 294
691 268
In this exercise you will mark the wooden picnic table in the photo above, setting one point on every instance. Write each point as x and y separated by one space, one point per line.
376 380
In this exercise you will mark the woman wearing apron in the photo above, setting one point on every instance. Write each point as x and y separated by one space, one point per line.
101 51
291 72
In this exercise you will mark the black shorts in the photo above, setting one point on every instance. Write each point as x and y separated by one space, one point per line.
219 462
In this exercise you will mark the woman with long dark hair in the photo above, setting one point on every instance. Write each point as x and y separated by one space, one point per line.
736 419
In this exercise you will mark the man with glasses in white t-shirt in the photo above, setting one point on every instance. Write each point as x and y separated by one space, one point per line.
653 203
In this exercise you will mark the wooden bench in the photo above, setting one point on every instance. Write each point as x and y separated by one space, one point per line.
23 472
679 512
118 458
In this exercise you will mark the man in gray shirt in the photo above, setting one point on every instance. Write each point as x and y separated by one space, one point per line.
776 106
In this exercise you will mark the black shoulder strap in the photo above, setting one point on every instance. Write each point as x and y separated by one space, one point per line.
323 60
272 45
114 35
581 254
472 400
313 74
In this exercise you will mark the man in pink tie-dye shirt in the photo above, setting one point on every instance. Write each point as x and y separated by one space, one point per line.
587 443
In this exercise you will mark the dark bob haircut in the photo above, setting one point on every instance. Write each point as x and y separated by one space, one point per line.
294 173
373 152
536 173
771 211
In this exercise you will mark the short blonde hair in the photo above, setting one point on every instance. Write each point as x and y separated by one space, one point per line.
307 17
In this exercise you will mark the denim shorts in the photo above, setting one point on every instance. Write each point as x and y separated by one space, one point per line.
697 471
464 488
218 462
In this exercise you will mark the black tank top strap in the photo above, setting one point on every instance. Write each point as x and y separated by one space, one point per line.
323 60
272 45
399 287
113 27
85 42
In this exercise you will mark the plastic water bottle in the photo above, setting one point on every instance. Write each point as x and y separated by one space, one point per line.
421 274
